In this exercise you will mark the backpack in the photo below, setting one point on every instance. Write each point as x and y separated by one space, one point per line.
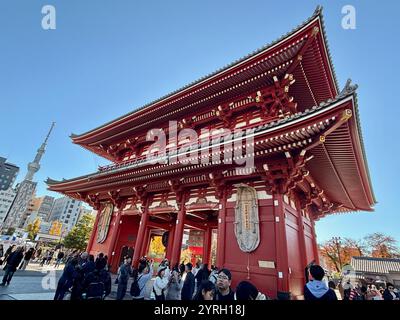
135 290
95 290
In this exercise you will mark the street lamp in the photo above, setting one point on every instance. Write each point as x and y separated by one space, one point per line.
337 242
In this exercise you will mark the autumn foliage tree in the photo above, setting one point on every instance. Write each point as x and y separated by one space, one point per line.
337 254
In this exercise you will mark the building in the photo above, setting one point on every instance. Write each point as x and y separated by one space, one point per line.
66 211
86 211
6 200
43 206
17 214
256 151
29 213
373 270
8 173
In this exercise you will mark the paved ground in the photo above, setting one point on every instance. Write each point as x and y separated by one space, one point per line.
34 283
39 283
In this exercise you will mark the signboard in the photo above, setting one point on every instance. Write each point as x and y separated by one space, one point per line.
104 222
247 228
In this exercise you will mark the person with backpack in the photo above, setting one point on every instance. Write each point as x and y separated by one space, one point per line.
160 284
66 280
144 274
97 284
124 272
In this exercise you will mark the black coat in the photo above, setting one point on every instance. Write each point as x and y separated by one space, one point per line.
14 259
188 287
387 295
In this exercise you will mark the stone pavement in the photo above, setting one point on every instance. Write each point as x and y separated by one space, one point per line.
34 283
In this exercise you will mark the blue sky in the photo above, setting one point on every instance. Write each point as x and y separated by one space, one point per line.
108 57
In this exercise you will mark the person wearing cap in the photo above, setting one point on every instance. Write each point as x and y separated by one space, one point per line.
224 291
189 283
160 284
316 289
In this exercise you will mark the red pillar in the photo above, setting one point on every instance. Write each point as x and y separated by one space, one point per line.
170 243
178 234
315 246
207 246
282 263
146 242
302 237
140 236
113 242
221 232
94 231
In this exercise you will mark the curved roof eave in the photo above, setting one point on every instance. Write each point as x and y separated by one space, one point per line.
317 14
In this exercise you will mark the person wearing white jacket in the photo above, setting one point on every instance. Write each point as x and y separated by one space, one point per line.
160 284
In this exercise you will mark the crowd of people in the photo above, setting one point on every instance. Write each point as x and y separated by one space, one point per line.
17 257
87 277
182 282
84 277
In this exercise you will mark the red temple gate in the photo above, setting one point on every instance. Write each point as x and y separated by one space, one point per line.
307 160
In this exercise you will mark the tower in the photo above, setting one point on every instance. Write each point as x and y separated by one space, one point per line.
25 190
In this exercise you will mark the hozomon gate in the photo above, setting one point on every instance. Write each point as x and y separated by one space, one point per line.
301 131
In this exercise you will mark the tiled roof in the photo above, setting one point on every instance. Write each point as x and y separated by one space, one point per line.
375 265
317 13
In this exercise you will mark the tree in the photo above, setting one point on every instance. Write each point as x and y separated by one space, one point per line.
338 253
156 247
79 236
382 246
33 228
360 246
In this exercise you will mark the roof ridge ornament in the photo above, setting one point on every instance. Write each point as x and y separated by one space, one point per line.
348 88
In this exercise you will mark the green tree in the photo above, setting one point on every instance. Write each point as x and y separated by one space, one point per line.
79 236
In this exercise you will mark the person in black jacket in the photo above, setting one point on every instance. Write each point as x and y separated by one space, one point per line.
27 257
224 290
188 285
316 289
13 261
389 293
66 279
99 275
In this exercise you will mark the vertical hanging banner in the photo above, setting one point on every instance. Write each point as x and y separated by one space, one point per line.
104 222
247 224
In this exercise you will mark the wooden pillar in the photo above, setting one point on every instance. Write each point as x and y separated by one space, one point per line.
314 241
207 246
170 243
302 237
146 242
111 247
178 234
282 263
94 231
221 231
140 237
